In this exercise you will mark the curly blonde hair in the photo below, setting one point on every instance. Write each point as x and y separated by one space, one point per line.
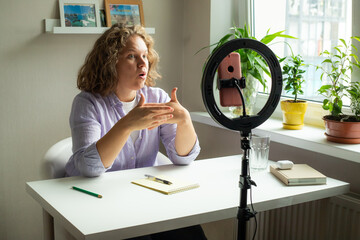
99 73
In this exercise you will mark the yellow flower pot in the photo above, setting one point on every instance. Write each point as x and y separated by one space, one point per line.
293 114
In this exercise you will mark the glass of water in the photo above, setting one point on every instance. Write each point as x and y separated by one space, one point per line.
259 153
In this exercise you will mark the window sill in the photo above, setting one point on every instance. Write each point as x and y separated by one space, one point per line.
313 115
309 138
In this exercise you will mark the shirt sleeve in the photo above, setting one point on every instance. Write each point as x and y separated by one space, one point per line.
86 131
168 133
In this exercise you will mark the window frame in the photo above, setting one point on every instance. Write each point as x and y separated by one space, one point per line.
315 111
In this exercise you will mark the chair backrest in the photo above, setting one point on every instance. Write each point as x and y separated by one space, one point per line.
56 158
162 159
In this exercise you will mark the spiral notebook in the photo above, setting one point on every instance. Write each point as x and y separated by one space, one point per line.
176 186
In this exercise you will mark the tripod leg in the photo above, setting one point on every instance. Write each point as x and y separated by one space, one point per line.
242 216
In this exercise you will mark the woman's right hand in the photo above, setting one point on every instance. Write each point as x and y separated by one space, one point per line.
147 115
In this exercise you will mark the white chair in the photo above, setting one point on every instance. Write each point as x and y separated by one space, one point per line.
54 163
162 159
57 156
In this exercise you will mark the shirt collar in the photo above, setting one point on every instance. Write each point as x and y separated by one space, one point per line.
115 101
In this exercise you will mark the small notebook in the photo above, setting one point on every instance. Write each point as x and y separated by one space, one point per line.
300 174
176 186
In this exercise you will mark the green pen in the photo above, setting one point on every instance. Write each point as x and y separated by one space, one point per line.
87 192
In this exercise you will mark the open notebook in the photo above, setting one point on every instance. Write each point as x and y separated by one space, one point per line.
176 186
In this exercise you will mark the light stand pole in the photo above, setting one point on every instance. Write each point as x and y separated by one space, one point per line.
245 182
244 213
244 124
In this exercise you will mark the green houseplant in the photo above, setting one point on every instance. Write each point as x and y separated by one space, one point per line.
293 110
253 66
354 95
336 68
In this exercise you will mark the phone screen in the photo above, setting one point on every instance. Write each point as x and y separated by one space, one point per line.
230 67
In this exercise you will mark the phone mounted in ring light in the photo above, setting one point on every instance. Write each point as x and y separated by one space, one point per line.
243 123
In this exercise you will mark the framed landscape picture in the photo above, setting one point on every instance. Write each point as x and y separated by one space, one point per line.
79 13
127 12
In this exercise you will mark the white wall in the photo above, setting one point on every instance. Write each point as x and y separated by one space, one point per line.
38 82
196 35
37 74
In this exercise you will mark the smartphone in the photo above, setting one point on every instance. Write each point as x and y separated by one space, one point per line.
230 67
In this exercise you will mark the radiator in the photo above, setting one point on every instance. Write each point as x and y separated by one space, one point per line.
344 218
336 218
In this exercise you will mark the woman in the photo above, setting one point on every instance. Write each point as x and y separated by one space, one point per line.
119 118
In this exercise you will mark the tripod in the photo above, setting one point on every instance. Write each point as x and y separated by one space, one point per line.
244 213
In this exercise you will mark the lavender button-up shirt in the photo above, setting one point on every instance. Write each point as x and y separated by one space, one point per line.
93 115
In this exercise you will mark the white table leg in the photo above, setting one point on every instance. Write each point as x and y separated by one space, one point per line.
48 226
61 233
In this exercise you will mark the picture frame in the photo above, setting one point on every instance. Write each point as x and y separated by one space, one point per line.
102 17
79 13
128 12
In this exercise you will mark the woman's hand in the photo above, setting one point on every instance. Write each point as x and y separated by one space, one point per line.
148 115
180 114
185 138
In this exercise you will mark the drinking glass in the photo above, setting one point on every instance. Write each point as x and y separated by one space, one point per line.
259 153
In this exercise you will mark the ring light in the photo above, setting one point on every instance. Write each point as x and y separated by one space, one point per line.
249 122
244 123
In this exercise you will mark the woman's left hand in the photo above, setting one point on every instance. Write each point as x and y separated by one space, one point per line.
180 114
185 138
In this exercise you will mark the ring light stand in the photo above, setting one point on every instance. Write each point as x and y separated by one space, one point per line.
244 123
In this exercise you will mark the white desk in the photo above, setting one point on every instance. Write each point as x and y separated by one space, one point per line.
127 210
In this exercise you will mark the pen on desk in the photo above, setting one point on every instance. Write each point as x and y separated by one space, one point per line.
87 192
158 179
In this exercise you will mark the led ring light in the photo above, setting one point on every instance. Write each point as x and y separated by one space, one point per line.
249 122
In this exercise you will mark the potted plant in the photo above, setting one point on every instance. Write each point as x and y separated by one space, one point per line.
253 66
336 68
293 110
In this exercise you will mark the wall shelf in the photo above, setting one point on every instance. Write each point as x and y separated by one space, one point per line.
53 26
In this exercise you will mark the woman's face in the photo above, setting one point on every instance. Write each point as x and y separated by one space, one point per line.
132 67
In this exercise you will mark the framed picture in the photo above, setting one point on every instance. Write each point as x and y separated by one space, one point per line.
102 17
127 12
79 13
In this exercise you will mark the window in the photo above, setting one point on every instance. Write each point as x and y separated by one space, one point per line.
318 24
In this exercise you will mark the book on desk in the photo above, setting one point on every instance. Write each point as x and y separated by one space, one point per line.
176 186
299 174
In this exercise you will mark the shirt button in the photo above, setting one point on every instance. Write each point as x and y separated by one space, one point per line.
132 158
